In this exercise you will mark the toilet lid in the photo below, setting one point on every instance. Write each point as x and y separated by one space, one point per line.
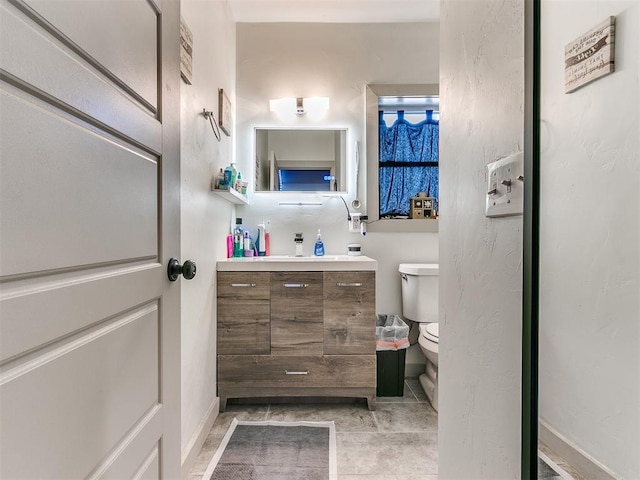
419 268
430 331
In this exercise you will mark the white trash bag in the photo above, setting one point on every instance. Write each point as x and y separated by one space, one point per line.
392 333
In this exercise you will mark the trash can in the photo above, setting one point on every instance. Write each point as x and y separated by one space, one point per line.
392 341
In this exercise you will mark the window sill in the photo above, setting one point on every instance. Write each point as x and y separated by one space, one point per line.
404 225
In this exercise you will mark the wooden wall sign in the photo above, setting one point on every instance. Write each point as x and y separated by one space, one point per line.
590 56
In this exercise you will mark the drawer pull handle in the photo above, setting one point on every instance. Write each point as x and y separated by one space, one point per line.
243 285
296 372
295 285
356 284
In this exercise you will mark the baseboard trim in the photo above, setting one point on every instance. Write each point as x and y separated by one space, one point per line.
584 463
190 452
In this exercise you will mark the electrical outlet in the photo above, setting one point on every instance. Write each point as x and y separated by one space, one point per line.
354 223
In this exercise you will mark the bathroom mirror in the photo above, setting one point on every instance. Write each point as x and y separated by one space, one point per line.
300 159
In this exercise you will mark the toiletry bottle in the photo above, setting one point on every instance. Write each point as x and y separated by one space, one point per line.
261 241
238 182
230 245
228 177
219 180
238 239
267 247
318 251
234 175
248 250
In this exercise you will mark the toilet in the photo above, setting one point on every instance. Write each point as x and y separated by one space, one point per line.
420 304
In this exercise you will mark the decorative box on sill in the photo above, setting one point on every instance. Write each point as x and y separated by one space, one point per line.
422 206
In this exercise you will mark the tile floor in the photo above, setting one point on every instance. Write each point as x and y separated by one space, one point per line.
397 441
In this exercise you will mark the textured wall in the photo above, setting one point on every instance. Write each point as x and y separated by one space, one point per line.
334 60
205 218
481 81
590 241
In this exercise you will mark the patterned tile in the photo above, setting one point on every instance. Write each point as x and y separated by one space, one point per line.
408 396
398 441
348 418
402 417
416 389
220 427
387 454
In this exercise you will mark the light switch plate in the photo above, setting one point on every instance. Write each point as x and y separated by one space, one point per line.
505 186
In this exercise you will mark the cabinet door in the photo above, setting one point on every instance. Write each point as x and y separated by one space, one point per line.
296 313
349 313
243 313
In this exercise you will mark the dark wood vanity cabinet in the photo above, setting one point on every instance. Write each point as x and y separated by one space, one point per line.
294 334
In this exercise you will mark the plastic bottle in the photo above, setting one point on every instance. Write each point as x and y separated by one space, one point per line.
318 250
267 247
219 180
248 248
234 175
261 241
228 177
238 183
230 245
238 239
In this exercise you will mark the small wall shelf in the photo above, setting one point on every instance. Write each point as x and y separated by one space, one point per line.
232 196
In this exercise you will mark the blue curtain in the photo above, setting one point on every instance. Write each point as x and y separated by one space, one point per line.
408 162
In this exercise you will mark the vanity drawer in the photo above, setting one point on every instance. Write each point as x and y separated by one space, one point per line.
241 286
263 371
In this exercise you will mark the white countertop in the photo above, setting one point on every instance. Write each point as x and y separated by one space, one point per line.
279 263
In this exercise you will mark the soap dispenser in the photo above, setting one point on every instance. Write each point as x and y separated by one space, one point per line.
318 251
261 240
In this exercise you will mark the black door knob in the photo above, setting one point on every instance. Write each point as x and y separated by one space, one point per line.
174 269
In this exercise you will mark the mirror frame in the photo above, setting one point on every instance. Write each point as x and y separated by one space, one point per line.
345 167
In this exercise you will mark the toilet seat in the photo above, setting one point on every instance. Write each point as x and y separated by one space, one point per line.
430 331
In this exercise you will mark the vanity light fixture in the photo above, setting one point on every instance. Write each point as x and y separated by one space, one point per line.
299 105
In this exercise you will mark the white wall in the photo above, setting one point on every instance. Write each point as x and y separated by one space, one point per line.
205 216
590 241
334 60
482 99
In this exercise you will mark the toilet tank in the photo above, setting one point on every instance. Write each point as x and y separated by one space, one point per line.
419 291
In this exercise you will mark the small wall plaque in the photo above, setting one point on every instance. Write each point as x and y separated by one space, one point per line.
224 112
186 52
590 56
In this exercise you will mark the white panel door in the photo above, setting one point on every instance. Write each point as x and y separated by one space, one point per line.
89 217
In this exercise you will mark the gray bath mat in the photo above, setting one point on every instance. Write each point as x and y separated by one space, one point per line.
275 451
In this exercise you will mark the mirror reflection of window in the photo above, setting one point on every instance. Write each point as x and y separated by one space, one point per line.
304 180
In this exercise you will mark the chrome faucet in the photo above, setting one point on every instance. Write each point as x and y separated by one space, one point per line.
298 240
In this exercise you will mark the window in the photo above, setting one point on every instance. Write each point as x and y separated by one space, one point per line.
407 155
402 155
